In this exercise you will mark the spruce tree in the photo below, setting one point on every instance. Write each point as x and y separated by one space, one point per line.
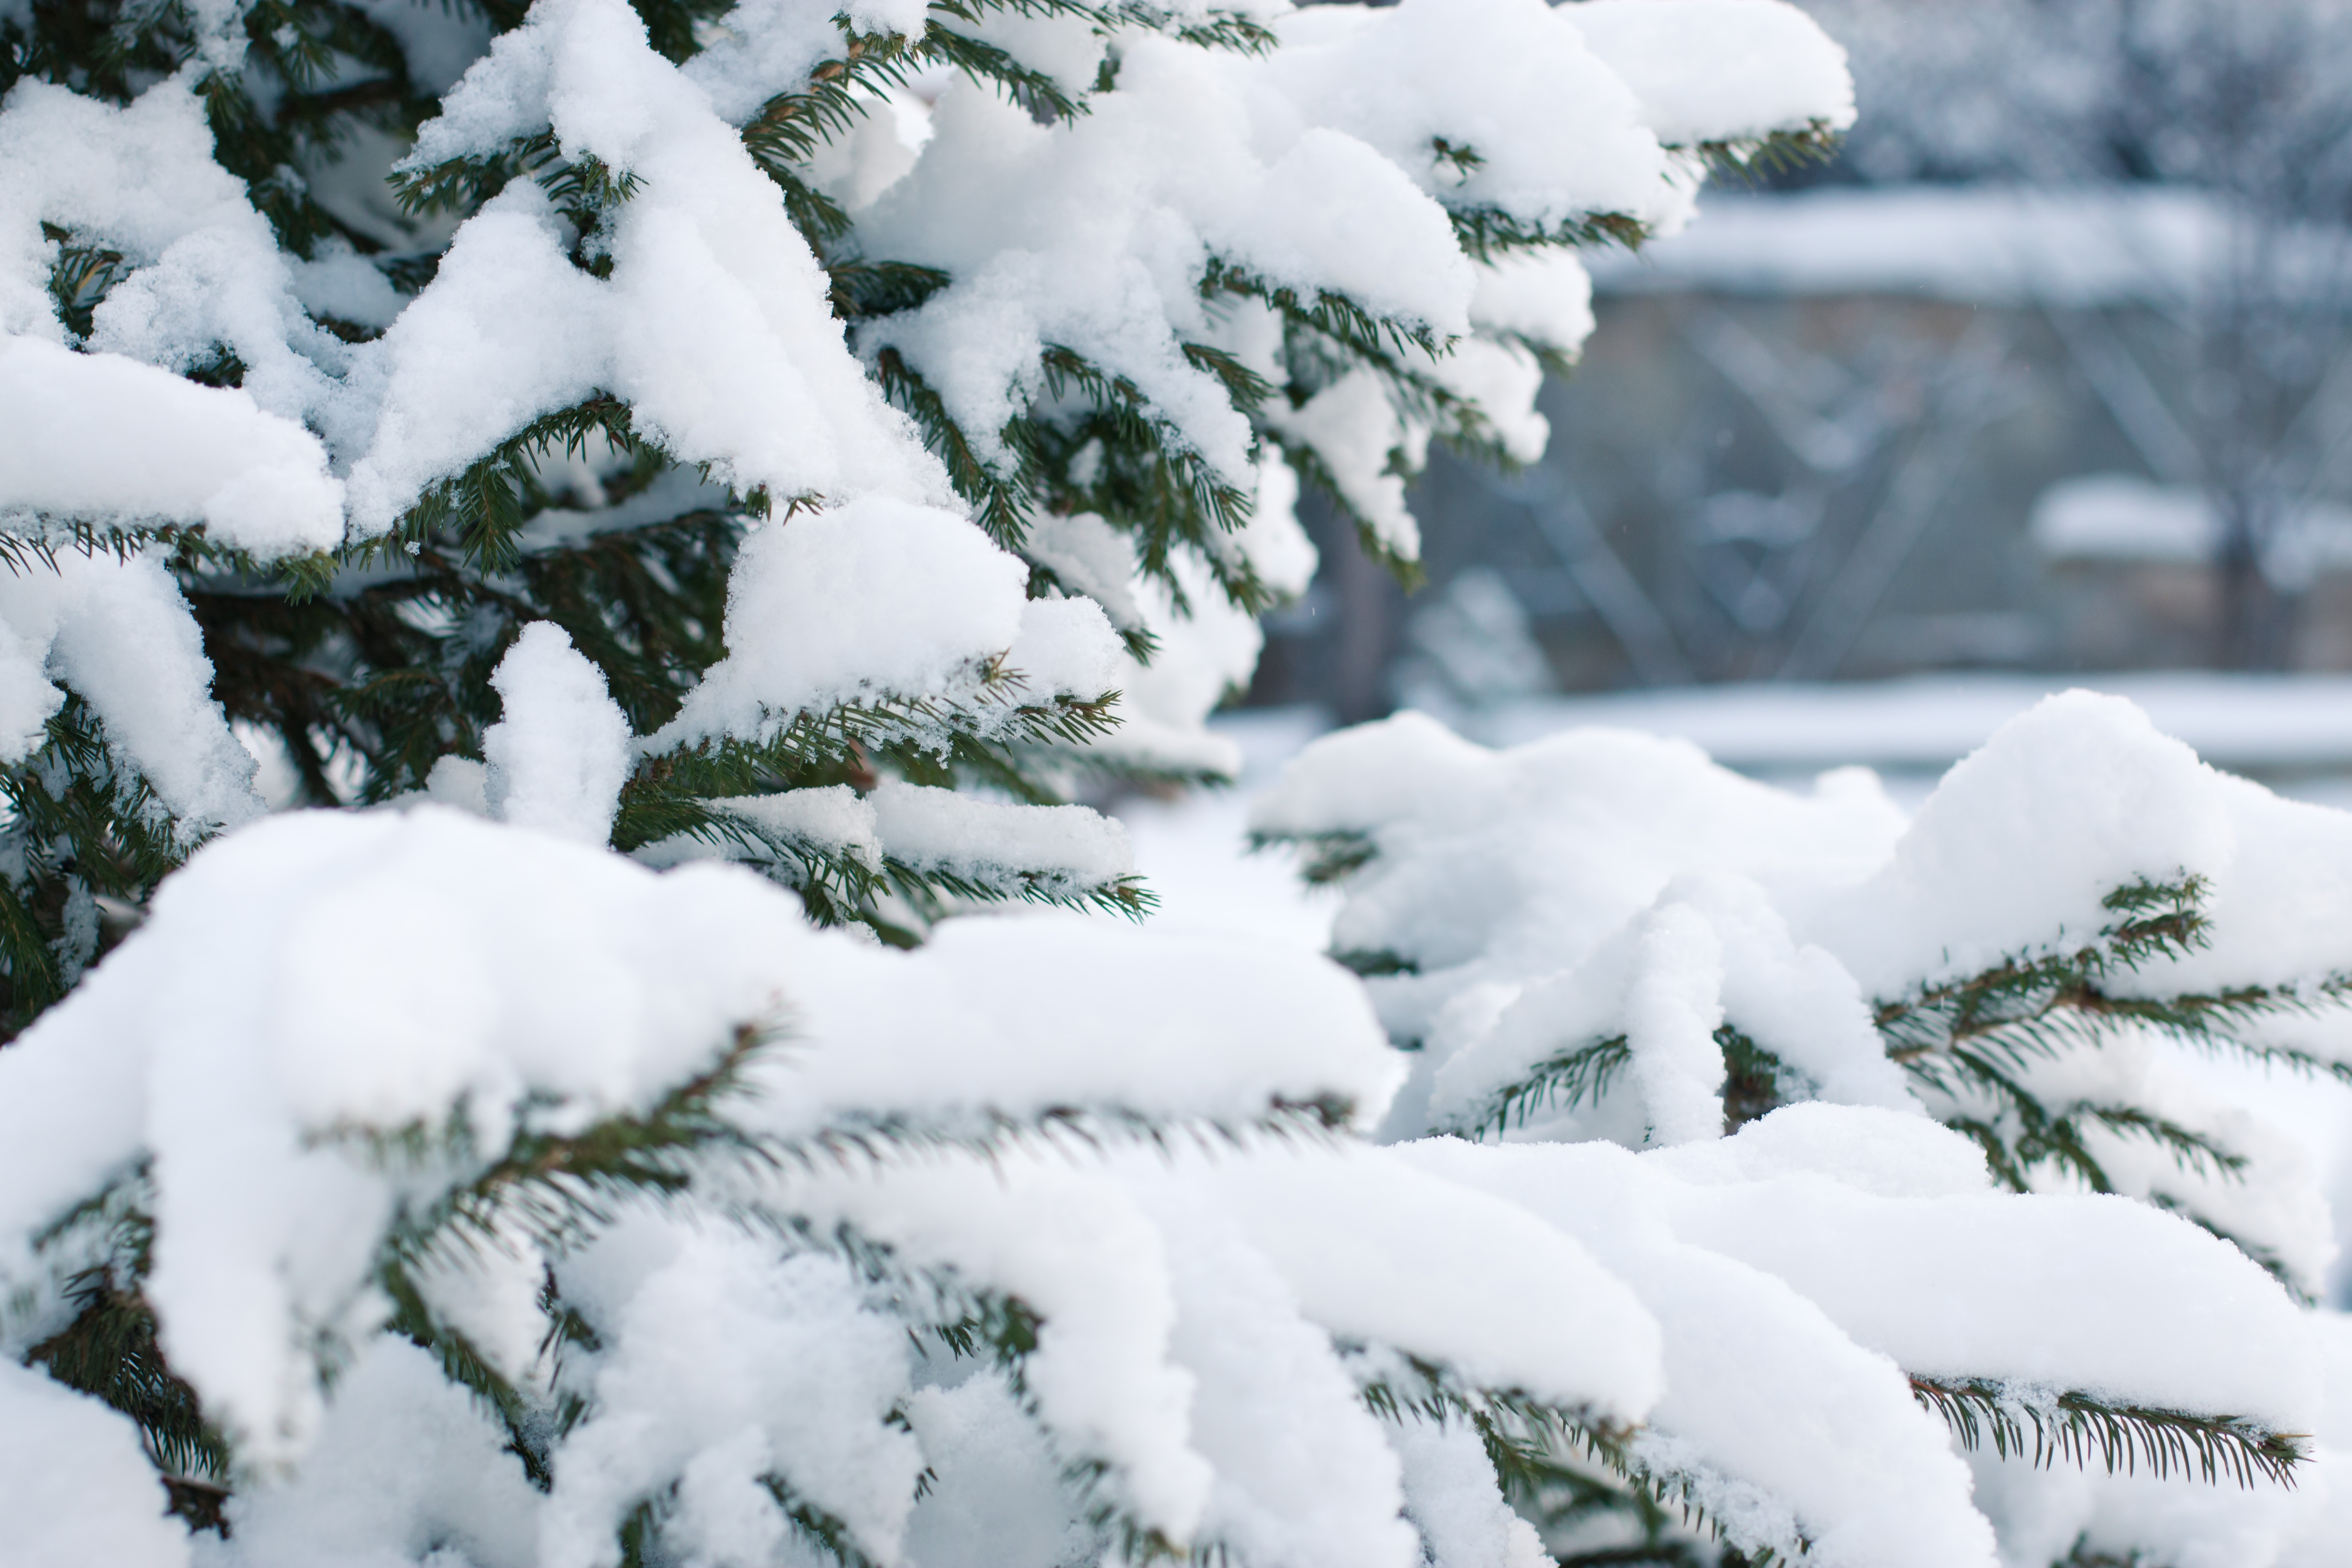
690 495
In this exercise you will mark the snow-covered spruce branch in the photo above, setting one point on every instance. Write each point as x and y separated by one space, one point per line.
2045 1428
1603 939
1557 1466
80 828
774 388
2042 1003
107 1348
1562 1081
598 500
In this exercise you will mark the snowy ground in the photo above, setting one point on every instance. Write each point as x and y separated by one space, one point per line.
2292 733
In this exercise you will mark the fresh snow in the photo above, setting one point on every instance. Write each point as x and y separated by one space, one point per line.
880 600
1239 1219
557 758
1596 882
1718 70
1715 1286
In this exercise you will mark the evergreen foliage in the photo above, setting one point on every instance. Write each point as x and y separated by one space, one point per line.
2037 1050
619 459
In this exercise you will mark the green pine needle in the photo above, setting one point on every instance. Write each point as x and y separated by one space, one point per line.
2044 1429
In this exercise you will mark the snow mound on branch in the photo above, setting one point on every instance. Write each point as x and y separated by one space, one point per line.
805 1390
1544 850
99 436
714 325
364 976
75 1481
559 758
405 1460
1064 847
1092 237
1794 1267
2077 797
1720 70
1534 892
1760 1298
1204 653
121 636
1316 168
108 435
948 1034
1598 891
1141 1343
882 600
1555 134
375 981
1542 296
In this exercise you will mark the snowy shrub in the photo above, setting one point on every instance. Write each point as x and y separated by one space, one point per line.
688 529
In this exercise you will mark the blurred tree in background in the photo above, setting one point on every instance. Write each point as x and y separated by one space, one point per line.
2249 105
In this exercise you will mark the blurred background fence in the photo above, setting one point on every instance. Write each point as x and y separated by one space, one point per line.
2047 378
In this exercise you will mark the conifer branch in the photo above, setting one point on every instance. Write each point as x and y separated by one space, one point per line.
463 1364
862 291
1334 316
1150 479
999 503
109 1348
1545 1457
2043 1427
1973 1043
864 1144
81 277
922 737
1488 234
75 815
1566 1079
585 188
482 509
814 1526
1777 152
1408 571
1330 857
559 1187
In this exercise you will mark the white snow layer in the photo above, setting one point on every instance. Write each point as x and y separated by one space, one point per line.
1597 884
1206 652
881 600
1313 169
100 437
109 436
318 991
77 1484
331 1022
370 975
714 325
1720 70
120 633
1535 888
559 757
